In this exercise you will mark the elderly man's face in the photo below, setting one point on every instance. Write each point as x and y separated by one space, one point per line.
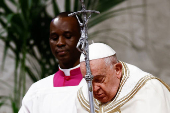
106 80
64 35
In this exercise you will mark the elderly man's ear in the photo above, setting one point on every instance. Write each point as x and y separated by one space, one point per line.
118 69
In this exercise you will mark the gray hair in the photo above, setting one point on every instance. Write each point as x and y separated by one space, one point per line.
110 61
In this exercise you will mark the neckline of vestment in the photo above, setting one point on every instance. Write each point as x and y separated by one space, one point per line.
70 71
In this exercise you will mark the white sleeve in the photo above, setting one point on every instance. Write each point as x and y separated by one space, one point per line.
27 102
30 102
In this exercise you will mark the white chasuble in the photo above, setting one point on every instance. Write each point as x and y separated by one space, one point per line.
139 92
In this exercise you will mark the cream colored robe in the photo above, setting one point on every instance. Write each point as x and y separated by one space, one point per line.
42 97
139 92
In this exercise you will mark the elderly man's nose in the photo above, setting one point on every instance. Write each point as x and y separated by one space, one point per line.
61 41
96 88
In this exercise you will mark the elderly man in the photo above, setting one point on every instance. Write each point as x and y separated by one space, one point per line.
56 93
119 87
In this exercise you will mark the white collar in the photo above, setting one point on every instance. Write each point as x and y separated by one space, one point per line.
67 71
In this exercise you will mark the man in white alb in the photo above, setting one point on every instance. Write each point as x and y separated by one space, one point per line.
57 93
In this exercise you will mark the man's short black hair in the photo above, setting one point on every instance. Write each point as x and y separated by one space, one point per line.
65 14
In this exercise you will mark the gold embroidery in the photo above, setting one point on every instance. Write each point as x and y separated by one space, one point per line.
101 109
117 110
129 96
82 100
166 85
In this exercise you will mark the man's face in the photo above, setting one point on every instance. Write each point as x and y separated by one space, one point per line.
64 35
105 81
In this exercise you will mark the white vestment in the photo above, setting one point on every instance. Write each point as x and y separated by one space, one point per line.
139 92
42 97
